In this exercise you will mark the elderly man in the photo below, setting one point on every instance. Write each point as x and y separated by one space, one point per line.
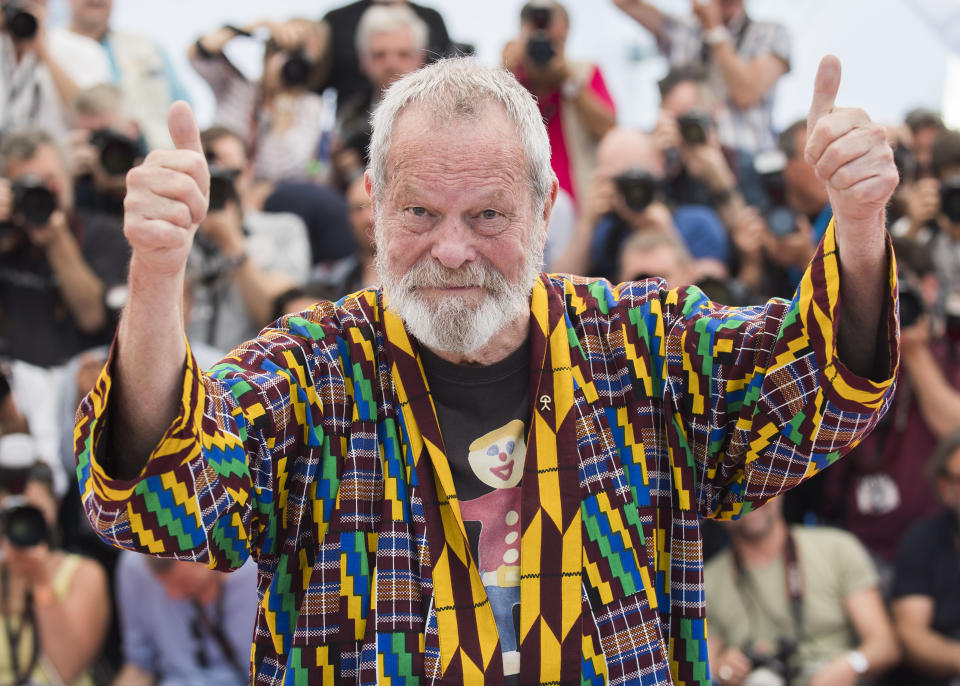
477 471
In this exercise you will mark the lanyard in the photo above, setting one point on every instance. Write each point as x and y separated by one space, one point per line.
213 628
793 579
27 623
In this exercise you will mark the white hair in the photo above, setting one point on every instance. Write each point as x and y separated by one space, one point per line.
387 19
459 88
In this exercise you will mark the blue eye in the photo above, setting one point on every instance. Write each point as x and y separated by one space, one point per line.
418 211
489 214
510 446
493 450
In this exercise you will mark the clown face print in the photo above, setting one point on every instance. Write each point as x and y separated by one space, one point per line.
497 456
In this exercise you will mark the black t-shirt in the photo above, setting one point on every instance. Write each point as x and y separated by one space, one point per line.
483 412
345 74
35 324
928 564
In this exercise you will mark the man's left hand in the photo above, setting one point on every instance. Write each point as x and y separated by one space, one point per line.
850 154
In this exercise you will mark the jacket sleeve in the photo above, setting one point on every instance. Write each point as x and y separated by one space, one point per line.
760 399
233 473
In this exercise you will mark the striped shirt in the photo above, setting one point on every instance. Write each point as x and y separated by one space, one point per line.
681 41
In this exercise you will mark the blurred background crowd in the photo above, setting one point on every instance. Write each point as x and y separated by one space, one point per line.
850 579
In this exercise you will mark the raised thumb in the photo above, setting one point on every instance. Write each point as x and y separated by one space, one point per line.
825 88
183 127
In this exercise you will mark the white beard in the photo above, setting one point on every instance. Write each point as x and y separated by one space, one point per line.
454 323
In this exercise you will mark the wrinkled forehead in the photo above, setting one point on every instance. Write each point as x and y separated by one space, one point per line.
484 139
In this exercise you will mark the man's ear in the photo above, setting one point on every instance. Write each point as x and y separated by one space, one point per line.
551 200
368 186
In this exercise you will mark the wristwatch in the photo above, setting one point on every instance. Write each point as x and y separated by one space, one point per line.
718 34
570 88
858 661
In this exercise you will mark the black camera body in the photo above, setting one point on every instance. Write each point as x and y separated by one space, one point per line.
118 153
23 525
18 21
33 202
638 187
950 198
780 663
911 303
781 220
222 188
540 48
694 127
296 69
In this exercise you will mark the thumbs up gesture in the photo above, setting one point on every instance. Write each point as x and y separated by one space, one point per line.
167 198
850 154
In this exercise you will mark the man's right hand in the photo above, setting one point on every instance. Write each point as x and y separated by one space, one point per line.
167 198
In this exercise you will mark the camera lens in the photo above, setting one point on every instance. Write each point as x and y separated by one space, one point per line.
296 70
33 201
21 24
24 526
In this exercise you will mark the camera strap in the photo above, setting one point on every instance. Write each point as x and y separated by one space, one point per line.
27 624
215 631
793 582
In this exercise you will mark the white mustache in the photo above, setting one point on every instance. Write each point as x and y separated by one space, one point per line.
428 273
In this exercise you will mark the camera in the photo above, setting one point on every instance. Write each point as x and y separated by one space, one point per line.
638 188
950 198
540 48
222 188
19 22
779 663
694 126
33 202
911 303
23 525
297 68
118 153
781 220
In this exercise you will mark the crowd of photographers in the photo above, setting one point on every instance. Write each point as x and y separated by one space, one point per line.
851 579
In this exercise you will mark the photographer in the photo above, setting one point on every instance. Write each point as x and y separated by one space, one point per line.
391 42
926 604
626 197
699 170
137 64
241 260
745 59
775 241
933 216
58 266
40 76
798 604
278 117
880 490
184 624
56 606
572 96
104 144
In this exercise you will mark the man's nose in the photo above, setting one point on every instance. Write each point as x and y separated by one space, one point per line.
453 244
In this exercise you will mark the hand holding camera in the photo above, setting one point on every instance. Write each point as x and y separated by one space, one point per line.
923 202
23 20
29 207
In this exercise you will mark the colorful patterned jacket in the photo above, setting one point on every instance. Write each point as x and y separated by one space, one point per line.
315 449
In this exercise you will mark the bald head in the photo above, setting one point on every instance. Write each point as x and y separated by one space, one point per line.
622 149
